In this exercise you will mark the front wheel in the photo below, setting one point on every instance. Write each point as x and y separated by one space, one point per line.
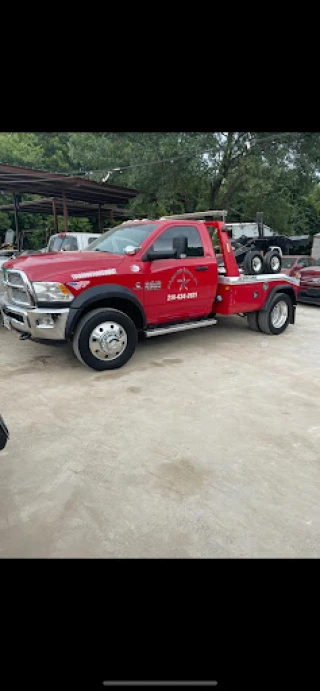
278 315
105 339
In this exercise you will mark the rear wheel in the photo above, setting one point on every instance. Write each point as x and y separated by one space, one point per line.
105 339
278 315
272 262
252 320
253 263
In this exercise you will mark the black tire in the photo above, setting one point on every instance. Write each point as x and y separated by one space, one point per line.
3 440
251 263
272 262
4 434
252 320
83 339
274 323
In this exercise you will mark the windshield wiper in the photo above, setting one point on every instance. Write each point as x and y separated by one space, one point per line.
97 249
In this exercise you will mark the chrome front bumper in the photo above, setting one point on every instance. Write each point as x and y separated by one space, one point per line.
30 321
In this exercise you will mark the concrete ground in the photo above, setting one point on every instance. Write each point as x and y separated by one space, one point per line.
206 444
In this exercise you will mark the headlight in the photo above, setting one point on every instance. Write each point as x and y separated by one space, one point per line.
52 292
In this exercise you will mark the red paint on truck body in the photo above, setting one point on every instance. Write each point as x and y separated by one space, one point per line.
168 289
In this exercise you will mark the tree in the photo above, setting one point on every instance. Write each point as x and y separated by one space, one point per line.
21 149
174 172
55 151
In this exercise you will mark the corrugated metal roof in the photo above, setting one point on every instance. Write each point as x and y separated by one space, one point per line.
28 180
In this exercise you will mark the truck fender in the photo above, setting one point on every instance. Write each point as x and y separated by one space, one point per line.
281 288
90 299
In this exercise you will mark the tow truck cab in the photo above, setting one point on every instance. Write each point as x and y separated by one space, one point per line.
151 276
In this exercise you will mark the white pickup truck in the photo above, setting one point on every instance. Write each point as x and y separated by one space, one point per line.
61 242
70 242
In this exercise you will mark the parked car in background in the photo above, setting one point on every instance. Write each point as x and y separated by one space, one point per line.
291 264
71 242
61 242
310 284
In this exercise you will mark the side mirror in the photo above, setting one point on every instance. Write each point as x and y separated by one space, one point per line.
130 249
151 256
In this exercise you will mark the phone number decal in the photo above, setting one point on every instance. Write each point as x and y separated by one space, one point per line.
182 296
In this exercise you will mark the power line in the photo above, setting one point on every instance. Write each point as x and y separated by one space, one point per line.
250 144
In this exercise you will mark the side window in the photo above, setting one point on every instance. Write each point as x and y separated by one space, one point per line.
69 244
91 240
165 240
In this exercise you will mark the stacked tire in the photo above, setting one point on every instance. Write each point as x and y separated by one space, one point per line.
254 263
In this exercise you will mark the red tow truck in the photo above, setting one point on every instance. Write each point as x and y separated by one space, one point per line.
151 277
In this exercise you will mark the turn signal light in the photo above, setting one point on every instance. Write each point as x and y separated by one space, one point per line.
63 289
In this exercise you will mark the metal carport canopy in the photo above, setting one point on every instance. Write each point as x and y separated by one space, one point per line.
19 181
29 181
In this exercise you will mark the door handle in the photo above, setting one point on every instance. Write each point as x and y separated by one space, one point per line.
202 268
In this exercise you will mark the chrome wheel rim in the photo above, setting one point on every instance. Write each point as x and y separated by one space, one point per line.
256 263
279 314
108 341
275 263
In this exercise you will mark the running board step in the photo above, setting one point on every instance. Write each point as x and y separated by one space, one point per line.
179 327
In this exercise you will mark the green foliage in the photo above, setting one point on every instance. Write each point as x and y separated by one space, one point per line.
4 221
76 225
176 172
55 151
21 149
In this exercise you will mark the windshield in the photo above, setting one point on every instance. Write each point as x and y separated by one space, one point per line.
287 262
117 239
317 262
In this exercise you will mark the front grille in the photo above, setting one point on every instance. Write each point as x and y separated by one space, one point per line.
16 288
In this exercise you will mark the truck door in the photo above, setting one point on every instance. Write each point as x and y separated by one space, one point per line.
181 288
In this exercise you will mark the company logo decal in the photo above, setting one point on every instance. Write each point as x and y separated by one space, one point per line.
180 283
185 276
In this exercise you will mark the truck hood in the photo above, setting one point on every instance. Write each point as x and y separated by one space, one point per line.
61 265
